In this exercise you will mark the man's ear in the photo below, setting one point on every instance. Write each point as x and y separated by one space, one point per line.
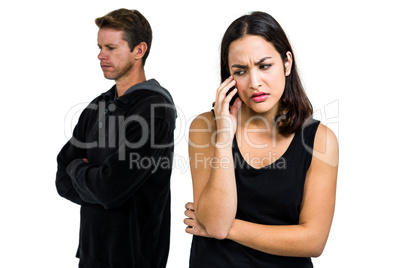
288 63
140 50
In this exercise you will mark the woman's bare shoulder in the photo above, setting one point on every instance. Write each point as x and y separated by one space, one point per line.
204 121
326 146
202 130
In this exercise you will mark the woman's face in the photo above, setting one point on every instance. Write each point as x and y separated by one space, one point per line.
259 73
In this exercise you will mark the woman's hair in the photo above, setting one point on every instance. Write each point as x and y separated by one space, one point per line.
135 26
295 108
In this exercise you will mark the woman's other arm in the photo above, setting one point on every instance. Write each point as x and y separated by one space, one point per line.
308 238
212 171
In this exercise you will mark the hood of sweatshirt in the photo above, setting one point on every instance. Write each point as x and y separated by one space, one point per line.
152 85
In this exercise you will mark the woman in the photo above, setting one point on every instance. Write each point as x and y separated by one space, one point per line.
264 173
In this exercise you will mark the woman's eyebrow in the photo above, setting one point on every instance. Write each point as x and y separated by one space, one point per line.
262 60
239 66
244 66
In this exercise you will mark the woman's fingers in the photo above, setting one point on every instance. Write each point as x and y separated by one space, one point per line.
222 92
195 228
190 214
190 205
189 222
236 106
225 119
229 81
230 95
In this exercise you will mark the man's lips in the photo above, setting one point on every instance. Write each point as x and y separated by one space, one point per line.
259 96
105 66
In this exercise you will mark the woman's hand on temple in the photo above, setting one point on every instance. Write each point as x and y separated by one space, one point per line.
226 116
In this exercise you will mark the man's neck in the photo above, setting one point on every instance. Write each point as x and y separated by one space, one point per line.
125 83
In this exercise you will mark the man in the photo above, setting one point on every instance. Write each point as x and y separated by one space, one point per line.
117 165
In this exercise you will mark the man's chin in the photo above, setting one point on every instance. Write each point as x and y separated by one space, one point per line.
109 76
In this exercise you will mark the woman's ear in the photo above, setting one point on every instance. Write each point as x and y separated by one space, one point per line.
140 50
288 63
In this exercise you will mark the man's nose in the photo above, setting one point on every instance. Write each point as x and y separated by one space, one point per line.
102 55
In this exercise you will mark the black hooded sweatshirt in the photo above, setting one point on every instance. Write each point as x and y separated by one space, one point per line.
124 188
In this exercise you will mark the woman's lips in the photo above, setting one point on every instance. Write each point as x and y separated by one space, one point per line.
259 97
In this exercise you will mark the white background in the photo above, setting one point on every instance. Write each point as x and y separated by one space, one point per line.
349 55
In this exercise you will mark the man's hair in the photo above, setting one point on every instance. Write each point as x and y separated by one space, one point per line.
135 26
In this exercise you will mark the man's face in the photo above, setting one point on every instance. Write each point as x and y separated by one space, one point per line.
116 59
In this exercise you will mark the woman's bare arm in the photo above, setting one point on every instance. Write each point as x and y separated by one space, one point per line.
309 237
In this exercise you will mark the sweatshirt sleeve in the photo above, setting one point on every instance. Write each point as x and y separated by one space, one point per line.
68 153
64 184
73 149
125 170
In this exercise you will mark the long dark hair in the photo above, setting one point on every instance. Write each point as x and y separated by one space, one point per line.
295 108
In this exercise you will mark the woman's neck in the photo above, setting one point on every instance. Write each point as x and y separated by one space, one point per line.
249 119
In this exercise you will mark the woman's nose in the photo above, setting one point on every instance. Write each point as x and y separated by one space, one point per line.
255 82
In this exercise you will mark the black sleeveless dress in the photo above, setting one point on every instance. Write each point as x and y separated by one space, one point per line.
271 195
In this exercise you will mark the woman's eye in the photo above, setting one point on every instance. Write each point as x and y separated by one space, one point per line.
238 73
265 66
